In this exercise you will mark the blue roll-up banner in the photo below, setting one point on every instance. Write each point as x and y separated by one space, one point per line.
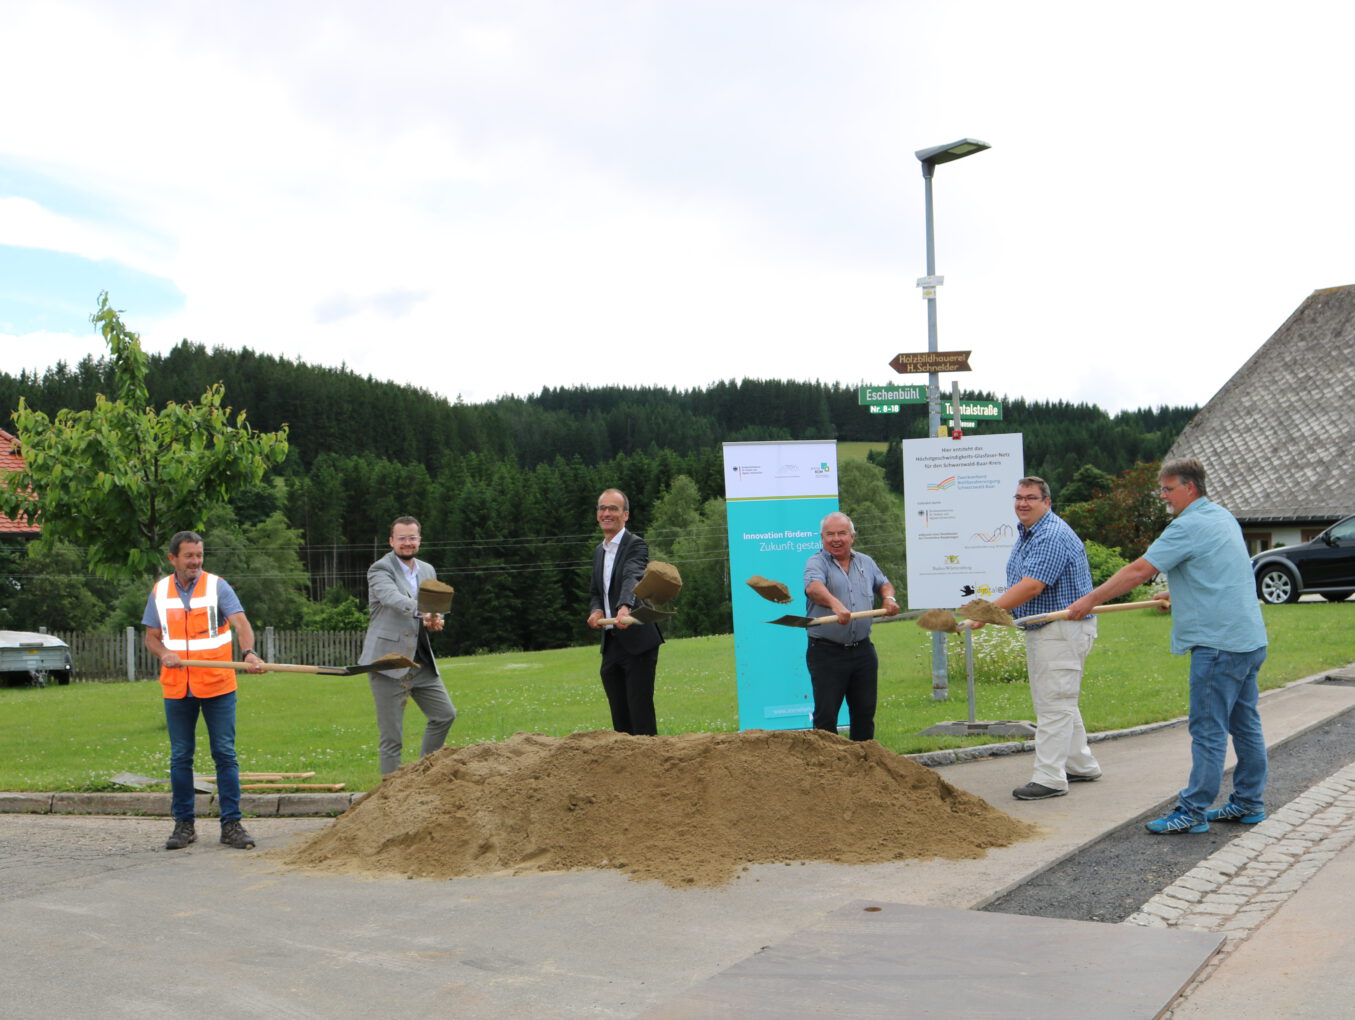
776 494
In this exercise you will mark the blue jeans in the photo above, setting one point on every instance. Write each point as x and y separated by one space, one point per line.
1223 695
219 714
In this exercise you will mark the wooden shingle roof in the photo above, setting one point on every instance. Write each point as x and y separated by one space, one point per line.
1278 441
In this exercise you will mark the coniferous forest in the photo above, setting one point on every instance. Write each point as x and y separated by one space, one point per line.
506 490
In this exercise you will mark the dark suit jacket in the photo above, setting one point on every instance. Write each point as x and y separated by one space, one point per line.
631 559
393 627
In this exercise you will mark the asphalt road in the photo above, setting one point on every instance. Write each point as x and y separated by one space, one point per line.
1114 877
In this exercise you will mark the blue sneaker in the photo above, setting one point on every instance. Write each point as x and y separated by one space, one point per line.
1178 821
1232 812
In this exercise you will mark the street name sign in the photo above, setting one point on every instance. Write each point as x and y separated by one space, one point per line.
987 409
891 395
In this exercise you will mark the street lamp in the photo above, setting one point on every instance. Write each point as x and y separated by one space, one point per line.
930 158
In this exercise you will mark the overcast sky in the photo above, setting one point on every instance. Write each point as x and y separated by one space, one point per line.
483 198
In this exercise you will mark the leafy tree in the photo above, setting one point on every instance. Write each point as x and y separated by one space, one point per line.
676 513
262 562
866 499
1128 517
1089 483
51 590
120 478
701 555
337 611
1104 562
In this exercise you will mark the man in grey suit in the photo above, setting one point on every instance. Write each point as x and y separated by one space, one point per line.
397 627
630 650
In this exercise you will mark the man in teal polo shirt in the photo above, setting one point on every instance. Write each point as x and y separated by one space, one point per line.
1216 618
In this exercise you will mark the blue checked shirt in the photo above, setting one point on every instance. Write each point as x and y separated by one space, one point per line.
1051 552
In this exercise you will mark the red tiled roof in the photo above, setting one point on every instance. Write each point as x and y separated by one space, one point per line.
10 460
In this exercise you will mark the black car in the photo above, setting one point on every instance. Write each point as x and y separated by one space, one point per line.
1323 566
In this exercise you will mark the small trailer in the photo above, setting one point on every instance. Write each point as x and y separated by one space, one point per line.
30 659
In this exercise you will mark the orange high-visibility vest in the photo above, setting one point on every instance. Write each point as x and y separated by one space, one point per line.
198 632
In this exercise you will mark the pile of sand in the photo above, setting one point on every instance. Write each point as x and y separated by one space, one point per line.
686 810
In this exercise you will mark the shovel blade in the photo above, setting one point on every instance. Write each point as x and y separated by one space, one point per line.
648 614
380 665
793 621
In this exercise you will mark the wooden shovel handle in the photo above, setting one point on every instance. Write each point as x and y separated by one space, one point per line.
865 614
1119 607
269 667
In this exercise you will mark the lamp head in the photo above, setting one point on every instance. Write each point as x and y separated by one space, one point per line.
947 153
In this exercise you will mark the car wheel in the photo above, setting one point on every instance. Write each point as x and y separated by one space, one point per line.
1337 596
1276 586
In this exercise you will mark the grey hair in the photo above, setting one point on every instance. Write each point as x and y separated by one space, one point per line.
1185 469
837 513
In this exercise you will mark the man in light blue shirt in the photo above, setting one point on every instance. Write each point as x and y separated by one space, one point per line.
1216 618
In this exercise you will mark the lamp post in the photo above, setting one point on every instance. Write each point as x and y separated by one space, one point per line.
930 159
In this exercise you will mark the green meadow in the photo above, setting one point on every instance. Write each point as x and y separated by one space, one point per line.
76 737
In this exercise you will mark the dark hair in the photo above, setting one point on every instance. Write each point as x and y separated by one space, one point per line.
1185 469
1038 482
180 537
406 519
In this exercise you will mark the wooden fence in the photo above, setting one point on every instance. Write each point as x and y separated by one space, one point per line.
99 658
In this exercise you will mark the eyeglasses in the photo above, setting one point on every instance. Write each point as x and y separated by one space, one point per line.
609 506
1028 499
1168 488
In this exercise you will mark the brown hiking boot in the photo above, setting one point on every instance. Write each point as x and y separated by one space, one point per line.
182 835
234 834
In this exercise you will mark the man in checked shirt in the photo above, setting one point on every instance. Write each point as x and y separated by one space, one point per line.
1046 572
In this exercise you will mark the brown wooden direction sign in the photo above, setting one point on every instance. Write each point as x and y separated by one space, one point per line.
931 361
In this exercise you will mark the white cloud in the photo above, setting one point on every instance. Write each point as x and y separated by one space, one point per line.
483 198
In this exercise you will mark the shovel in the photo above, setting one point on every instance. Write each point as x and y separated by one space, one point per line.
383 663
814 621
642 614
1062 614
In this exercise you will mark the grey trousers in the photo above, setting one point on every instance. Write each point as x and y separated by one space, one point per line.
428 692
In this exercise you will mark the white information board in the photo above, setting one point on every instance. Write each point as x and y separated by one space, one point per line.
961 522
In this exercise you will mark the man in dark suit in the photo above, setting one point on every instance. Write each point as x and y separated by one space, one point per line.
630 650
397 627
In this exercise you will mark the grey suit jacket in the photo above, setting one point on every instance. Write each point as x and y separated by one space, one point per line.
394 627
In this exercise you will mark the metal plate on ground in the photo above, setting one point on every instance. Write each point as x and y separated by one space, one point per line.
870 959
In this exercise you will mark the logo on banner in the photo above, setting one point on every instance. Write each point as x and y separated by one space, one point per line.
996 535
941 486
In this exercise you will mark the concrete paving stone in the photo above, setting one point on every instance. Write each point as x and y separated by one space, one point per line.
1230 899
1159 909
1146 920
1278 857
1215 907
1189 882
1233 856
1180 892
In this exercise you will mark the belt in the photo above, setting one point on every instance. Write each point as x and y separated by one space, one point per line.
838 644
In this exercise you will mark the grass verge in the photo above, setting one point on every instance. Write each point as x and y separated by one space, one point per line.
76 737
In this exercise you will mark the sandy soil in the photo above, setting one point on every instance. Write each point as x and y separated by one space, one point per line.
691 809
